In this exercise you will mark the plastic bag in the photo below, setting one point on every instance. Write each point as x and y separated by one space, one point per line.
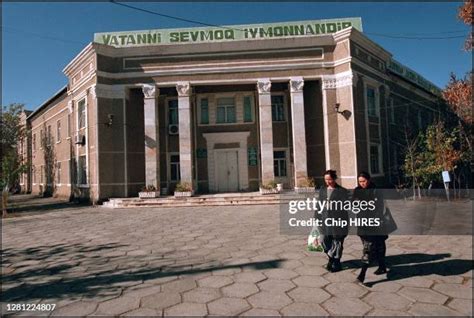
314 244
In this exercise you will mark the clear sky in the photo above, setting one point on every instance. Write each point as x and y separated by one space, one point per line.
39 39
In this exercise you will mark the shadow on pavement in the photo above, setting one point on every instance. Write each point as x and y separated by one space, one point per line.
77 270
417 264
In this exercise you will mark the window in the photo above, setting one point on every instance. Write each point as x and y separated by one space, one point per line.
173 112
58 172
278 108
375 159
33 173
81 112
34 142
41 138
371 106
226 110
392 112
204 111
49 136
248 113
69 125
174 168
58 131
41 174
82 170
279 163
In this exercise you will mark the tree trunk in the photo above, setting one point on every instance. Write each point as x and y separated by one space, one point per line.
4 202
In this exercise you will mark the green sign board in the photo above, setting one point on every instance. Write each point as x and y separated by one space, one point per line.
407 73
226 33
252 156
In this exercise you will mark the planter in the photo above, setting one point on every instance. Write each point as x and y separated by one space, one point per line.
305 190
185 194
148 194
269 191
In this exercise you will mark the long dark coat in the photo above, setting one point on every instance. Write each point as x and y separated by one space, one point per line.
338 194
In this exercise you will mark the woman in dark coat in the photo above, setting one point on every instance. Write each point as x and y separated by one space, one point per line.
332 237
373 238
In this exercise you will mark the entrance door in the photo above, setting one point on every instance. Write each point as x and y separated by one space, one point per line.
227 171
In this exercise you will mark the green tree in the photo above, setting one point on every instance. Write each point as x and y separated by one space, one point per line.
11 164
431 153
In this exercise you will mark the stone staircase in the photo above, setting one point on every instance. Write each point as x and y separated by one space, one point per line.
221 199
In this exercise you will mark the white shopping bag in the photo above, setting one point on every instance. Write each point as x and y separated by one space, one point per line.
314 244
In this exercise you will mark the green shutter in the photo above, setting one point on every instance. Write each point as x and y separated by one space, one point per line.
204 111
247 109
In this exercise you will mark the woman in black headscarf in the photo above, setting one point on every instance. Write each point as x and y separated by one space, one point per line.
373 238
332 238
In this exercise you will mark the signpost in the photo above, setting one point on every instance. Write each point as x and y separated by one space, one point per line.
446 180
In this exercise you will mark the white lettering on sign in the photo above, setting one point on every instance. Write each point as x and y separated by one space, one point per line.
226 33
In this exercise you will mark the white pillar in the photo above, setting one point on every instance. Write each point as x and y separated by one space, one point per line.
184 117
152 167
298 130
266 132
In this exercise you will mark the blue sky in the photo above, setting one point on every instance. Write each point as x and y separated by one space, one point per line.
39 39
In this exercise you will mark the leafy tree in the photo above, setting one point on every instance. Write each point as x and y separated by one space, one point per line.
12 166
431 153
466 15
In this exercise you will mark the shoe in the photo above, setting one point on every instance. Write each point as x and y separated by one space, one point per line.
336 266
381 270
330 265
361 278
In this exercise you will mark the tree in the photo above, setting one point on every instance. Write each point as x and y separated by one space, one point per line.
49 157
458 96
431 153
466 15
12 166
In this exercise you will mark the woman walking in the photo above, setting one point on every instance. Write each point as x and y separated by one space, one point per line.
332 238
373 239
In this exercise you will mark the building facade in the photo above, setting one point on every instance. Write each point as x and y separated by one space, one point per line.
226 113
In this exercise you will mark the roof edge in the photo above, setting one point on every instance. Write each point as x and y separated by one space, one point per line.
48 101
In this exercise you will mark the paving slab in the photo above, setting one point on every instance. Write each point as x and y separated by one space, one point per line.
225 260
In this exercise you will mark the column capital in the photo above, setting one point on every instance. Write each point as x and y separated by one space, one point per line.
296 84
69 106
150 90
183 88
264 85
92 91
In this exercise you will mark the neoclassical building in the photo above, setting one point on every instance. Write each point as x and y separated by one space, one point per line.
226 111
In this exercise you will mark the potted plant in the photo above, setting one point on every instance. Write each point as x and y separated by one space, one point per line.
306 185
183 189
269 188
280 187
149 191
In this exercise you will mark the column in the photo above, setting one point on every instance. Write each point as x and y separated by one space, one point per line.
298 130
184 117
152 168
266 132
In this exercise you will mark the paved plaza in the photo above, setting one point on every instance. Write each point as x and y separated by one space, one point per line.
217 261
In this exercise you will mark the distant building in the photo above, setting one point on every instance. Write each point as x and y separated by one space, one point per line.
227 109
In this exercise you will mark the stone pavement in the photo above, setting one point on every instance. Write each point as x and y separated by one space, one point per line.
217 261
